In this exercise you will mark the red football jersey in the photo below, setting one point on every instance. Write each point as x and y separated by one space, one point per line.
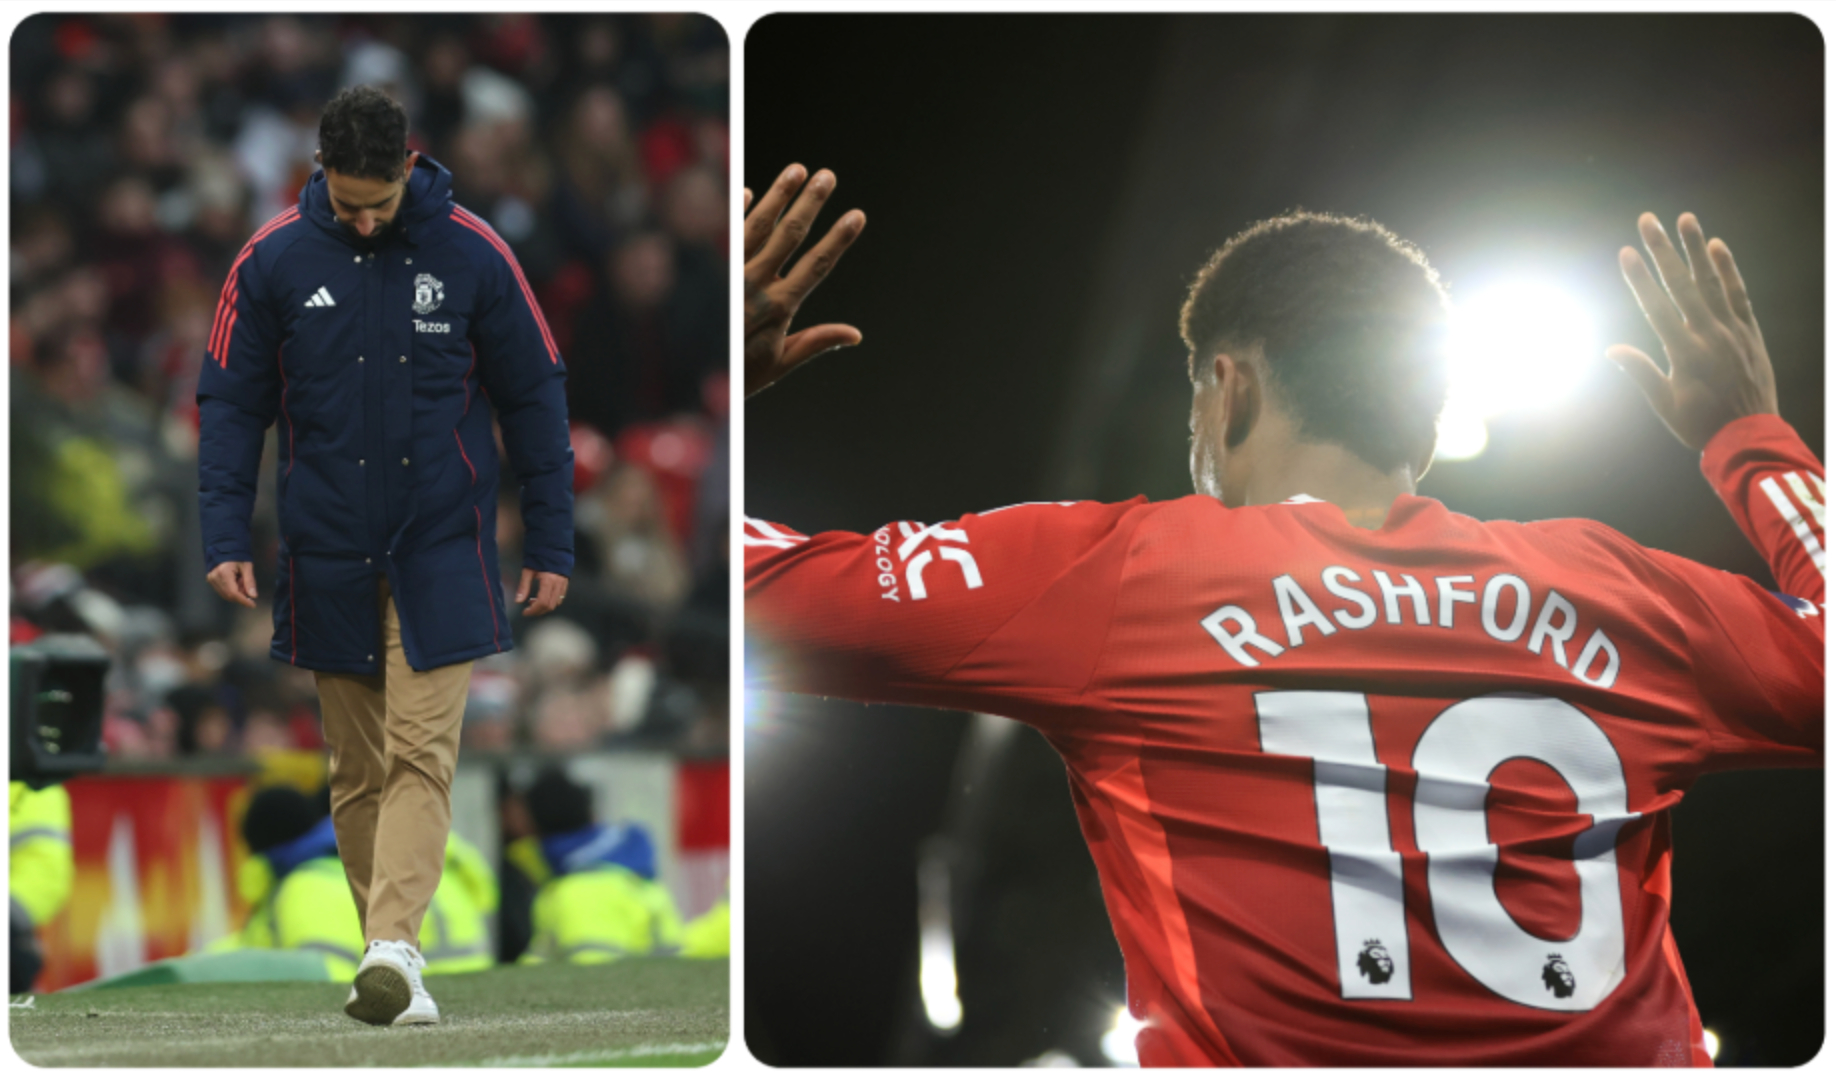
1356 797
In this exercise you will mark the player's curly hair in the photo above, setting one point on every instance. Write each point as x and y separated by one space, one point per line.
363 133
1350 319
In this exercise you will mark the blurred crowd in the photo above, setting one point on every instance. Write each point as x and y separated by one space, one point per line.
145 151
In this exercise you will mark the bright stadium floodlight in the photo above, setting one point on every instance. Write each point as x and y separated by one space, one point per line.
937 940
1516 345
1119 1042
937 978
1520 344
1460 434
1711 1042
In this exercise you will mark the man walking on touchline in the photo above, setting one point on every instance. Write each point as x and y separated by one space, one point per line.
382 325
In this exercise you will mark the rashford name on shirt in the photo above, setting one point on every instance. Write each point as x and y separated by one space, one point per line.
1549 633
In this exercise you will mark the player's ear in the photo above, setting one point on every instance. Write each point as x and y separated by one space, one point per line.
1241 387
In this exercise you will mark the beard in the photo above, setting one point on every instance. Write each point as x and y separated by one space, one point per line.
376 238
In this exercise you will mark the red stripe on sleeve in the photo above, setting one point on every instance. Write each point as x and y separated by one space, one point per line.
226 300
471 221
228 331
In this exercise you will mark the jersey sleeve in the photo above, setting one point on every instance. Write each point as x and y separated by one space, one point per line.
1757 658
911 612
1773 484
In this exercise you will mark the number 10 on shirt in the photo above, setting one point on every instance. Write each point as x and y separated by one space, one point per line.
1454 759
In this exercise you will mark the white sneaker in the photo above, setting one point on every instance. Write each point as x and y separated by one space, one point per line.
422 1011
388 989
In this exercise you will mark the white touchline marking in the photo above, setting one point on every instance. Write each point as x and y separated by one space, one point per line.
1790 512
552 1059
314 1029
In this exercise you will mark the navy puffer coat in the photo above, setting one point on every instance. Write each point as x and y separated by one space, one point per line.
383 368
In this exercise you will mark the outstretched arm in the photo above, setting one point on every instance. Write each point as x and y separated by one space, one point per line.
968 613
981 613
1719 397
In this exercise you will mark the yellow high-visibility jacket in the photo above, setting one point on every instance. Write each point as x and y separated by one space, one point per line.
312 910
41 867
456 934
597 914
710 935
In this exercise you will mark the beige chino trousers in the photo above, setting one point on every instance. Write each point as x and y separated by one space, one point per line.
394 740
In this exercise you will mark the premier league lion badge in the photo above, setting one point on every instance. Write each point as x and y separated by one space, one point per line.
1558 978
1375 962
429 293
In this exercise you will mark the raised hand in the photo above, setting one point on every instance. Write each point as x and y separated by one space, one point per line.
1719 370
772 235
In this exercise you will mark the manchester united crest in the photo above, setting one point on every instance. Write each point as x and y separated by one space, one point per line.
429 293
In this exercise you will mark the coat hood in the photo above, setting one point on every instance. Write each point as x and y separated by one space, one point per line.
430 193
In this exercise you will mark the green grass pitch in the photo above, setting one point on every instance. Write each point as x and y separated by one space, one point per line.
642 1012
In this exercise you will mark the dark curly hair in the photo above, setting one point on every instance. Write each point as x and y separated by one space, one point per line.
1350 321
363 133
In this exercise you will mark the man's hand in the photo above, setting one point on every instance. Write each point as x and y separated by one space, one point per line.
1719 371
235 581
771 236
550 589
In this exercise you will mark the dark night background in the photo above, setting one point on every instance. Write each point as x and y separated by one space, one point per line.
1039 191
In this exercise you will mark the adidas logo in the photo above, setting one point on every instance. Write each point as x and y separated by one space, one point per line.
321 298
